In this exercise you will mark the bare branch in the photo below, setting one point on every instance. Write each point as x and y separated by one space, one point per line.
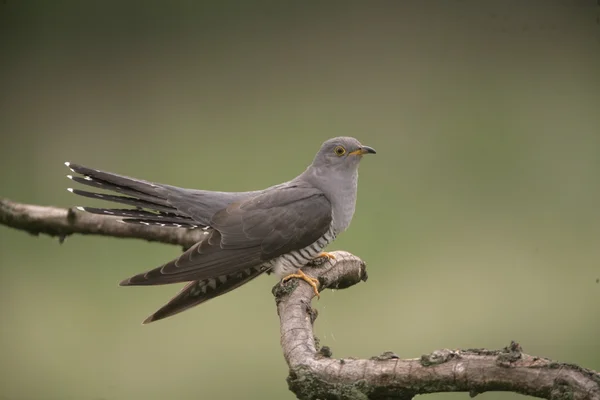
314 374
62 222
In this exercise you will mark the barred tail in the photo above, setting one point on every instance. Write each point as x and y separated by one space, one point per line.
198 292
137 193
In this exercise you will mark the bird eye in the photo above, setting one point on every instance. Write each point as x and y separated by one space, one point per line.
339 151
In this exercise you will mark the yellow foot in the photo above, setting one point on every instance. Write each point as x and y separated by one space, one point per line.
325 254
311 281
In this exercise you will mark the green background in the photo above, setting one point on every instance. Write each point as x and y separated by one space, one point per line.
478 218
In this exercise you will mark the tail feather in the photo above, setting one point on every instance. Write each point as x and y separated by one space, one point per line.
110 178
144 217
131 201
148 221
198 292
196 205
151 195
138 193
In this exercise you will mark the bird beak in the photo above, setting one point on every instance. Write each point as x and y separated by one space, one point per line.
363 150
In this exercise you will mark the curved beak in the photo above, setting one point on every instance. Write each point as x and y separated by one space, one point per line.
363 150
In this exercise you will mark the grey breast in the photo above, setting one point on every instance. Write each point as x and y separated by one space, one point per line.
341 191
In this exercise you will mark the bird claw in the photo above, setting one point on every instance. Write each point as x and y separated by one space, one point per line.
313 282
325 254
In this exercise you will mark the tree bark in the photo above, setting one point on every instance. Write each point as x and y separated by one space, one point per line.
314 374
63 222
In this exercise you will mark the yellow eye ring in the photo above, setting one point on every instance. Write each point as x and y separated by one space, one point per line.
339 151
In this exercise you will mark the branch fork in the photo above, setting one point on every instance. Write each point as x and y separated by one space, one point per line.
315 374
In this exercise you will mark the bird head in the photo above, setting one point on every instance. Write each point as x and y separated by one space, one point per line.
341 153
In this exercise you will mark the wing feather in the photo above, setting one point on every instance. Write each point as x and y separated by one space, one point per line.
247 234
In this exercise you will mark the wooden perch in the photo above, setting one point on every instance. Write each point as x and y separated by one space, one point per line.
62 222
314 374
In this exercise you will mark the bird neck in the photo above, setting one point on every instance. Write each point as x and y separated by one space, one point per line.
340 187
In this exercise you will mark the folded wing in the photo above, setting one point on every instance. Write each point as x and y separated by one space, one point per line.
247 234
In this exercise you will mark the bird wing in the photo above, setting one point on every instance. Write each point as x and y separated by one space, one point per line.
155 203
248 233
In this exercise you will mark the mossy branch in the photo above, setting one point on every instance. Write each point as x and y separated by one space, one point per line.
314 374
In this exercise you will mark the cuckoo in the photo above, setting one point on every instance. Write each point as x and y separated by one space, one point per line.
276 230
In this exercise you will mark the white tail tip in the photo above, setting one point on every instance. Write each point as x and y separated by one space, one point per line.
67 163
80 208
70 190
70 176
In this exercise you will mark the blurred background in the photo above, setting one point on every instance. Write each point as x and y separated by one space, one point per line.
478 218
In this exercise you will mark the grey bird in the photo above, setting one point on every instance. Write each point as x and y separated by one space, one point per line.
276 230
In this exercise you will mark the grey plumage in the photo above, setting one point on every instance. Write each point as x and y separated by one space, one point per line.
278 229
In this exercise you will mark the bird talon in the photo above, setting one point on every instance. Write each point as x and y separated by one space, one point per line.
313 282
329 256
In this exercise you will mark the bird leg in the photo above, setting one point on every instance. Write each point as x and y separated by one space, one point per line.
329 256
311 281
